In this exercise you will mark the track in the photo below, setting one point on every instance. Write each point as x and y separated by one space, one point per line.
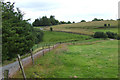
14 67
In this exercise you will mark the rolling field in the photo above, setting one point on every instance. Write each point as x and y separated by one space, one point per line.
87 58
87 28
98 60
51 37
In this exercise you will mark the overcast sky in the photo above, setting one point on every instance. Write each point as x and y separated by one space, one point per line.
68 10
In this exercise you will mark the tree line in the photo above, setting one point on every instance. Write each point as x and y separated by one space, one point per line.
44 21
18 36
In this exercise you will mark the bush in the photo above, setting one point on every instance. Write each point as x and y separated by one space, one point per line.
109 25
105 25
111 35
118 37
100 35
51 29
38 35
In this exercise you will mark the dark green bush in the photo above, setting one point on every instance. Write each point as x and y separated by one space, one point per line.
38 35
51 29
111 35
109 25
118 37
100 35
105 25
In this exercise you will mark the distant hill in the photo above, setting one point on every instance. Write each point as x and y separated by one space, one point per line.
87 28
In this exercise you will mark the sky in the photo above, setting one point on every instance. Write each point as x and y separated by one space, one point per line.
68 10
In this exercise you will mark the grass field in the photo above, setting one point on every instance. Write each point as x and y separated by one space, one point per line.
98 60
51 37
87 28
115 30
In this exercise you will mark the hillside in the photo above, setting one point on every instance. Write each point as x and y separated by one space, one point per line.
87 28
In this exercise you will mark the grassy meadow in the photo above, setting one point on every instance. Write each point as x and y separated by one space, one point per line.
62 37
87 28
52 38
98 60
85 57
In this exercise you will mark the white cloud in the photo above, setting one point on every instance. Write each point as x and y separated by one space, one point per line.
69 10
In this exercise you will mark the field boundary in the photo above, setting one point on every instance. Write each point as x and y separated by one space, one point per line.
72 32
14 67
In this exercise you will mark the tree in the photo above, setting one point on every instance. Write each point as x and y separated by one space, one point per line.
83 21
62 22
39 35
95 19
36 22
44 21
73 21
57 22
17 34
68 22
52 20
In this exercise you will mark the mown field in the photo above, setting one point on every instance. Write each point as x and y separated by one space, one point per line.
98 60
87 28
50 37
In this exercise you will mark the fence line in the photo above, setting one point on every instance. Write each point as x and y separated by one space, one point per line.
14 67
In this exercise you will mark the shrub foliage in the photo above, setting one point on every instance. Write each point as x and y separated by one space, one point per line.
109 34
18 36
100 35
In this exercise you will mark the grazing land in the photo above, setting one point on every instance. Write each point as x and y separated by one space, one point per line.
52 38
62 37
87 28
50 48
81 56
98 60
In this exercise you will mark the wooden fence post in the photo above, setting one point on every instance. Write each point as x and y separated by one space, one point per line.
49 47
21 67
32 56
53 46
43 50
6 74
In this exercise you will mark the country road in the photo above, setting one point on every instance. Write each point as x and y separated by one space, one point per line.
14 67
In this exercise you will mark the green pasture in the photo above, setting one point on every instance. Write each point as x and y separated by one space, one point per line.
115 30
98 60
50 37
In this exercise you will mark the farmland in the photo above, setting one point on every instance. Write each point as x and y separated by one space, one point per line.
85 57
51 48
98 60
62 37
87 28
52 38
